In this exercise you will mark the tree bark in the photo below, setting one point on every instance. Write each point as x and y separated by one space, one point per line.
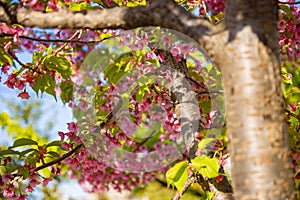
256 123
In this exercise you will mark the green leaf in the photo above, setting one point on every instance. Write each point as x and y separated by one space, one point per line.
59 64
217 17
30 159
9 152
24 142
287 10
24 172
204 143
105 35
177 175
23 153
79 6
67 88
54 143
53 154
49 51
208 167
46 83
4 57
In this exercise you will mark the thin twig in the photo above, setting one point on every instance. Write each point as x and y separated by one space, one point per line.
63 157
292 114
56 40
70 39
22 64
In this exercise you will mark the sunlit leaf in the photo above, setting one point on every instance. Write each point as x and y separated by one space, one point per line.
24 142
59 64
9 152
177 175
208 167
54 143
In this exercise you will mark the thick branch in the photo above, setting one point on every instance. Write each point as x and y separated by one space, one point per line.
167 14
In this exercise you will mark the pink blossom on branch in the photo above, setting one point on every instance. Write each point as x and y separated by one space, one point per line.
24 95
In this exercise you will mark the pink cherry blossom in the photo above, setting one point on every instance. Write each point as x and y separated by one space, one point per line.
73 127
8 193
24 95
46 181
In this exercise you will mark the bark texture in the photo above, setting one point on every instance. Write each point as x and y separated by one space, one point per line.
245 49
256 123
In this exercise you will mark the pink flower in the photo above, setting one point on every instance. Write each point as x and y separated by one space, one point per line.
57 91
166 40
73 127
34 182
24 95
46 181
161 57
281 25
22 197
71 135
83 105
149 55
11 81
4 28
7 193
7 45
5 68
54 5
20 84
66 146
61 135
175 51
6 177
219 178
185 49
29 189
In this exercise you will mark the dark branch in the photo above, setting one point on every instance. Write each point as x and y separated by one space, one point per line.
290 3
292 114
20 63
63 157
55 40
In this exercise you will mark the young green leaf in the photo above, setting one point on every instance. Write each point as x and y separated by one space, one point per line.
59 64
177 175
23 153
9 152
205 142
46 83
54 154
54 143
208 167
24 142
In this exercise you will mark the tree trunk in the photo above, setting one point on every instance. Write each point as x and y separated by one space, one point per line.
256 124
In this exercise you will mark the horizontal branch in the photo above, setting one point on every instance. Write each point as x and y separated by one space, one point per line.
55 40
166 14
